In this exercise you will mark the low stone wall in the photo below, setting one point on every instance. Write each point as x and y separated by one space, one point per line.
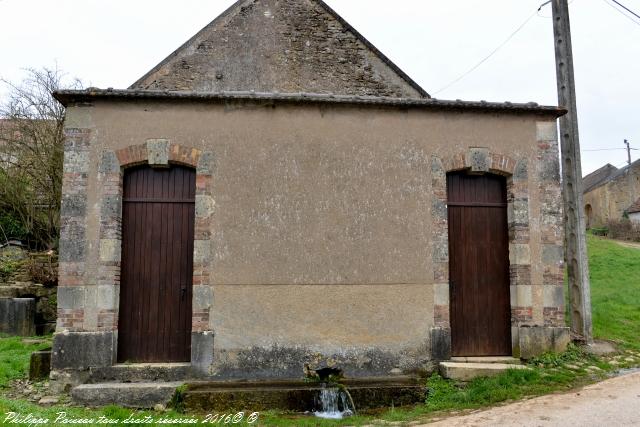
45 301
17 316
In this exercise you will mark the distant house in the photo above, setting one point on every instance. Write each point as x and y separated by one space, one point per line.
610 193
634 212
278 184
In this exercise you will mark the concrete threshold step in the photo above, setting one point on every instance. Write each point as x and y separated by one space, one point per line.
130 395
462 371
487 359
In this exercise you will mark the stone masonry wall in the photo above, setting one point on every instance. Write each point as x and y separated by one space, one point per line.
285 46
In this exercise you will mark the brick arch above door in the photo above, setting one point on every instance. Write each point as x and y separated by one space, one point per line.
480 160
155 153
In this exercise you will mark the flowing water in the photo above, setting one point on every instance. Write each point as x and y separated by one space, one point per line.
334 403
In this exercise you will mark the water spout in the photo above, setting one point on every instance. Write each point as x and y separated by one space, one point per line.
334 403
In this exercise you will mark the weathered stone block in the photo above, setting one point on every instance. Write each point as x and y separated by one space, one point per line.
521 172
441 294
519 254
70 297
201 252
110 250
547 131
440 344
553 296
552 254
107 297
72 249
158 152
73 205
82 350
439 209
202 352
518 212
479 159
205 206
129 395
206 164
521 296
202 297
76 161
17 316
40 365
535 340
109 163
111 206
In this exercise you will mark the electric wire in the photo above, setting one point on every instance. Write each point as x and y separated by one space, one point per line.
486 58
621 12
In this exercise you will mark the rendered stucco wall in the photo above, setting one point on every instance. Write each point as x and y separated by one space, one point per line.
319 238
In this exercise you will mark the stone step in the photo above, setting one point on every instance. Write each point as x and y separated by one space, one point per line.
141 373
487 359
130 395
467 371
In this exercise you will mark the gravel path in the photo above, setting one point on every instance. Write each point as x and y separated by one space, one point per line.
614 402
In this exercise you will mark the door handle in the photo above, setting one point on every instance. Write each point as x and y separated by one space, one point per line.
183 292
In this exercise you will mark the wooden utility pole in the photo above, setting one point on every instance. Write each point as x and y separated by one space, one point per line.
575 227
628 151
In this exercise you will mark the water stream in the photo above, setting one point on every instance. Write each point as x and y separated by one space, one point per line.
334 403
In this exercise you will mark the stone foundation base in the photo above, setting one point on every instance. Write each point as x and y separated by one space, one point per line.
532 341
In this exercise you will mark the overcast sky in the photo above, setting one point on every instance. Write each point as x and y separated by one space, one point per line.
111 43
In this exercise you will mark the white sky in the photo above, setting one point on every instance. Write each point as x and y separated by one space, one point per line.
111 43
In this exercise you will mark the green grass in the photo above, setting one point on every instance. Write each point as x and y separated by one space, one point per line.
615 291
615 283
14 358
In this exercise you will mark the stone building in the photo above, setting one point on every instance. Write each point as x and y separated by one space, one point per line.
609 193
277 196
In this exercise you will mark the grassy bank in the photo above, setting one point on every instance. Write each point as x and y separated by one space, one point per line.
615 291
615 282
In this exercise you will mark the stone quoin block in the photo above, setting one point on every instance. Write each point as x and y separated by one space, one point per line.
547 131
110 250
441 294
519 254
70 296
521 172
73 205
202 297
552 254
521 296
553 296
108 297
206 164
205 206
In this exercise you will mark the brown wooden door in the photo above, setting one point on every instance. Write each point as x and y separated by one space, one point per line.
157 265
479 265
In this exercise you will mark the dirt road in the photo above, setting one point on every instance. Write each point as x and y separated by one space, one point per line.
615 403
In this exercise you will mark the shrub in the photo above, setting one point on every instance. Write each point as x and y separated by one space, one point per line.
624 230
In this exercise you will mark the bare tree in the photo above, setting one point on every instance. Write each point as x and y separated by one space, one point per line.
31 154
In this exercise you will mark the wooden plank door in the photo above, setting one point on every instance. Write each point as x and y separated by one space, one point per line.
479 265
157 265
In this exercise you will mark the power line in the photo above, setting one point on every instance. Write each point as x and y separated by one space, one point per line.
621 12
609 149
626 8
485 59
